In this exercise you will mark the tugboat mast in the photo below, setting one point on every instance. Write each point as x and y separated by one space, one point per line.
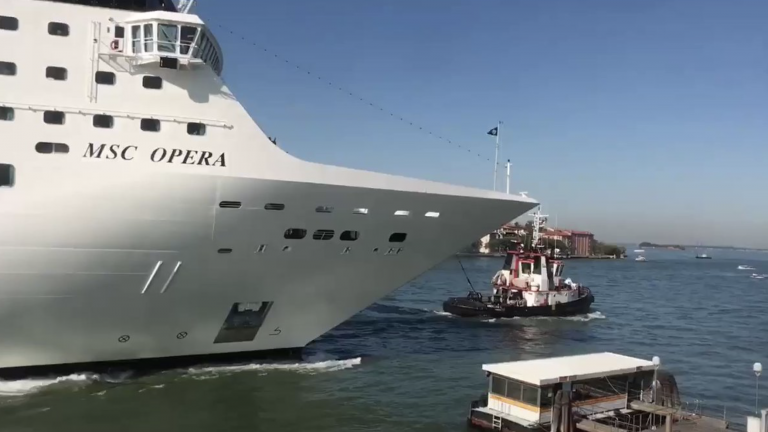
538 222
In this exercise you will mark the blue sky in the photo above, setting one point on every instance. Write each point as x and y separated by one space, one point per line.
637 120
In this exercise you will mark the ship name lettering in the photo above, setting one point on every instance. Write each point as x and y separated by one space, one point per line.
158 155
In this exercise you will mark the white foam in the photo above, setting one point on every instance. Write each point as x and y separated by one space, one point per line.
584 318
307 368
23 387
441 313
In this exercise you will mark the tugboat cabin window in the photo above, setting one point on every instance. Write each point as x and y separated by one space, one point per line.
7 68
54 117
188 35
56 73
58 29
150 125
168 38
7 175
153 82
6 114
9 23
508 262
196 129
119 32
105 78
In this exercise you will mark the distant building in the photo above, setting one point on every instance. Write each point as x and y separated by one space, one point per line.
579 242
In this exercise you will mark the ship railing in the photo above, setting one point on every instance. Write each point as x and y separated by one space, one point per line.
685 408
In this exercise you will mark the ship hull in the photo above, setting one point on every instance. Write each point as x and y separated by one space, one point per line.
465 307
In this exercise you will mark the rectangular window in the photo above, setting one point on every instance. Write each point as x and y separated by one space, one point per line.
105 78
9 23
323 234
187 39
149 38
167 38
7 175
103 121
7 68
136 39
198 52
196 129
56 73
498 385
119 32
54 117
6 114
530 395
150 125
48 148
153 82
58 29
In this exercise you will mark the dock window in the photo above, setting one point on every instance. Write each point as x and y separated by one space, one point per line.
7 68
153 82
105 78
58 29
9 23
103 121
498 386
7 175
167 38
48 148
150 125
54 117
56 73
196 129
6 114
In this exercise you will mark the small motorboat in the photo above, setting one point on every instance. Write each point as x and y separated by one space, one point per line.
529 284
758 276
703 256
641 259
746 267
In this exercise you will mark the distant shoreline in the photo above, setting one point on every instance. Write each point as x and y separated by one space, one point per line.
684 247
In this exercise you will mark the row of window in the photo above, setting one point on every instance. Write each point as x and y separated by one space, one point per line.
54 28
515 390
263 249
319 209
102 121
57 73
326 234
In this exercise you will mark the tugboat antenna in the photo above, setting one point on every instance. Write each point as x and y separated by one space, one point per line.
466 276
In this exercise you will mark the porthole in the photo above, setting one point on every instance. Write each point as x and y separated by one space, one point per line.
7 175
48 148
58 29
150 125
54 117
105 78
7 114
349 236
323 209
323 234
103 121
153 82
56 73
7 68
196 129
230 204
295 233
274 206
9 23
397 237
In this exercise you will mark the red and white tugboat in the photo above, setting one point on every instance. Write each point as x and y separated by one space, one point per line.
530 284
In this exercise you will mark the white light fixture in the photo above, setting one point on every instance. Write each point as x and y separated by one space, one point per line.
757 368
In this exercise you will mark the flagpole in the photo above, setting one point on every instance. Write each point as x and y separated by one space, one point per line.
496 159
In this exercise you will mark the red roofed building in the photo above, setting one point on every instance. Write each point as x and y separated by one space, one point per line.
580 242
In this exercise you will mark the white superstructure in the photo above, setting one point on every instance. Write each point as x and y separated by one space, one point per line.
144 214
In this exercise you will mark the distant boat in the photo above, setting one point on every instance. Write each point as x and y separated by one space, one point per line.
746 267
639 251
703 256
641 259
759 276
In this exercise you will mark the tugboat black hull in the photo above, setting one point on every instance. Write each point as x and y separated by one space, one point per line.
472 307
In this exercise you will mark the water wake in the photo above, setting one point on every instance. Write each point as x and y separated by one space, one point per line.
27 386
310 368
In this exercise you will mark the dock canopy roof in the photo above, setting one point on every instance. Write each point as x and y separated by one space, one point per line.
570 368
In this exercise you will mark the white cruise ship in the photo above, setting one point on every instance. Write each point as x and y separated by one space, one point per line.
145 216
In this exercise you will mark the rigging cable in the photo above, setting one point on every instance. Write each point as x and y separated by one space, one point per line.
466 276
349 93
